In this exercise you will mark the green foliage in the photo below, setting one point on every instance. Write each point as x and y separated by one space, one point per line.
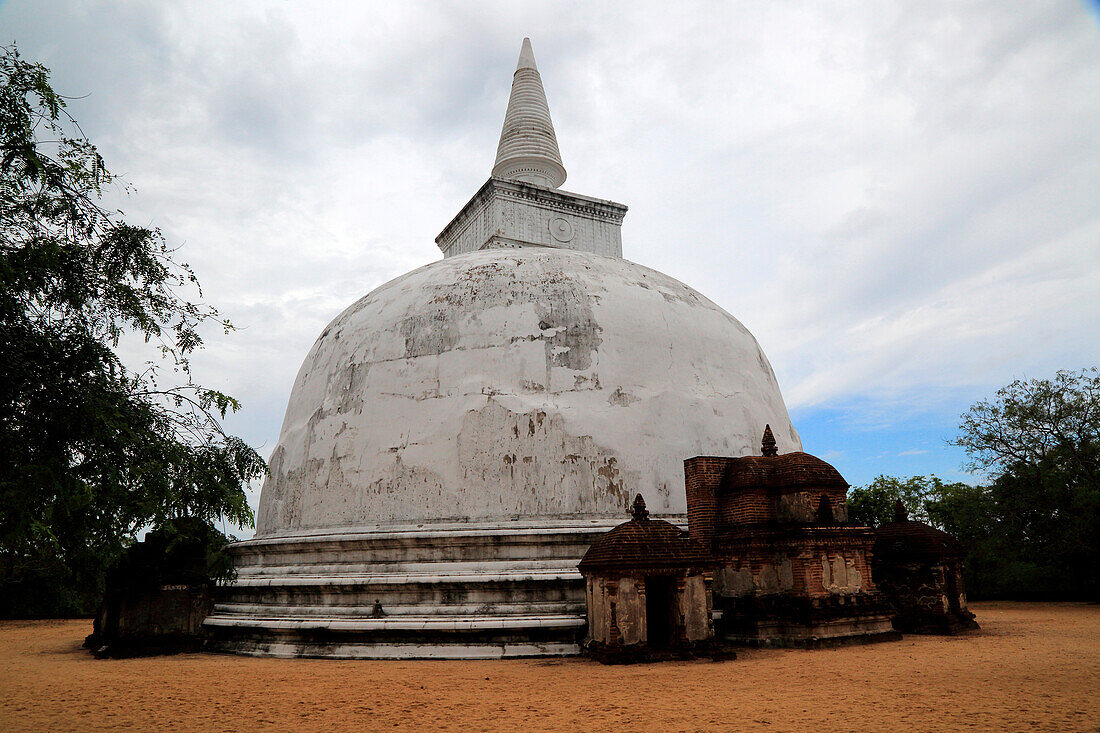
1034 530
874 504
92 452
1048 424
1040 442
963 511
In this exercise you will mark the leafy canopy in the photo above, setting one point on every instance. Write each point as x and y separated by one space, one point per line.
874 504
1034 530
92 451
1040 422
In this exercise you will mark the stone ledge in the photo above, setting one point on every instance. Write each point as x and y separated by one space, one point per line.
405 623
514 650
450 531
406 578
463 590
299 566
396 610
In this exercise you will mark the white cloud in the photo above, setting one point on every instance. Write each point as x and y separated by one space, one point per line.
899 199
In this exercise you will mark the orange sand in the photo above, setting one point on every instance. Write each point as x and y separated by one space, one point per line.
1032 667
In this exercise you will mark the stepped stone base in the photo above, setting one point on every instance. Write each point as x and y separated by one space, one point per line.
467 591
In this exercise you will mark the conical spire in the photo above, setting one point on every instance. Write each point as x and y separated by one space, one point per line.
528 149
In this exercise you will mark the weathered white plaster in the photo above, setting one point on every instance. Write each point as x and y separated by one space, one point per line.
598 610
731 581
516 383
839 575
695 609
796 506
739 580
630 612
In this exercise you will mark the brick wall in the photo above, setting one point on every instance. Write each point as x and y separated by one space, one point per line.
745 507
702 477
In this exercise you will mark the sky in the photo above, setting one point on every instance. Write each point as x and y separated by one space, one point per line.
900 200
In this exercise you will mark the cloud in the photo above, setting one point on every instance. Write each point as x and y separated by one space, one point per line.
899 200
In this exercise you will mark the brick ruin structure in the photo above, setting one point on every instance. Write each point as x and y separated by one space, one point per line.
648 593
920 569
790 570
157 595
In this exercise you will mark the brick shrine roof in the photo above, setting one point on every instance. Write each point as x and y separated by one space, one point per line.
789 470
643 543
905 539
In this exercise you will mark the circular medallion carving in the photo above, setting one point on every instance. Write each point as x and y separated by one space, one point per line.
561 229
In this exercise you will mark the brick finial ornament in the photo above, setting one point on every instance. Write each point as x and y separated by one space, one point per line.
639 512
901 514
767 443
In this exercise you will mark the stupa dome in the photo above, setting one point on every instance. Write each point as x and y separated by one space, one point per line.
457 439
532 382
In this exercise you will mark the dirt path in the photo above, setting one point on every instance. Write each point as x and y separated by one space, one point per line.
1032 667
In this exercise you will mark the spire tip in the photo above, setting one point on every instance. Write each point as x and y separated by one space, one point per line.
526 56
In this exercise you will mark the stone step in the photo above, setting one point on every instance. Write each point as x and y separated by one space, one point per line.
453 544
392 579
389 650
518 527
439 567
426 600
404 623
528 608
408 637
434 590
448 591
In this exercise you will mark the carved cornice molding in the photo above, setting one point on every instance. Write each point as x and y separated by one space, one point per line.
524 194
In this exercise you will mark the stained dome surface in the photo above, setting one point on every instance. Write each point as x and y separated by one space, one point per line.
532 383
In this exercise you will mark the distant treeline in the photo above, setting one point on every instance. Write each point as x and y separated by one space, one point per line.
1033 531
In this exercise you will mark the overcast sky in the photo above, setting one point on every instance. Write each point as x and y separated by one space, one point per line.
900 200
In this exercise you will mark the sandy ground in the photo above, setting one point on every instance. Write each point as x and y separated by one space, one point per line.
1031 667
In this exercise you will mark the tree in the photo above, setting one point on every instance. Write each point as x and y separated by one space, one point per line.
873 504
92 451
1042 423
1040 442
963 511
1034 530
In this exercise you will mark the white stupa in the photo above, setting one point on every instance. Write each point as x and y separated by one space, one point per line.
456 438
